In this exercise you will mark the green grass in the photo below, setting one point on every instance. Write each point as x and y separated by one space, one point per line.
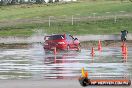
79 28
16 32
98 27
13 13
82 8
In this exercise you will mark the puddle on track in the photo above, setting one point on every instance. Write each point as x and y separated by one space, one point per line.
33 63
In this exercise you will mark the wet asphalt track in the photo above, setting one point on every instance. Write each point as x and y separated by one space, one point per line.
31 67
33 63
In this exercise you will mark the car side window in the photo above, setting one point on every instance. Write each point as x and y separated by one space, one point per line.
69 37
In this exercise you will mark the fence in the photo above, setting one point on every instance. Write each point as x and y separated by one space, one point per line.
75 19
93 18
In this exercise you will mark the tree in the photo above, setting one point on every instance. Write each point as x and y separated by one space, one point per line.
14 2
40 1
3 2
21 1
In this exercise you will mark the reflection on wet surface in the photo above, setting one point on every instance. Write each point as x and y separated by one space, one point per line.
34 63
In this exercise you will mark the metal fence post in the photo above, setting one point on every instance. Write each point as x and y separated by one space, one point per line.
115 19
72 20
94 17
49 21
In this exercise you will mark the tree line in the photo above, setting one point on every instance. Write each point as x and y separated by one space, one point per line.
13 2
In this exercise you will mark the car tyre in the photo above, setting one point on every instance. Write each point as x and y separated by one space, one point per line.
79 47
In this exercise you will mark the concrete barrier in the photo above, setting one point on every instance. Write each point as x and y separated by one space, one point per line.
40 38
102 37
13 39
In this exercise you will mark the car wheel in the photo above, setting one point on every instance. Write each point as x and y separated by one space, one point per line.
79 47
46 51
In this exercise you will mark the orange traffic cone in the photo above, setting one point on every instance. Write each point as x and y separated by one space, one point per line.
125 51
124 57
92 52
99 46
55 52
123 47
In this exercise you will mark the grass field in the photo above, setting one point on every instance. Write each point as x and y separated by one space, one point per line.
22 20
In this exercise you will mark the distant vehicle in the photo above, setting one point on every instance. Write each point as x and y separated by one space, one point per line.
61 42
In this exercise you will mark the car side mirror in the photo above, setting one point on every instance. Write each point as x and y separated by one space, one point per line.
75 39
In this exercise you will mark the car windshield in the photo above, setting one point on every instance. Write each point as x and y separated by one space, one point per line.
55 37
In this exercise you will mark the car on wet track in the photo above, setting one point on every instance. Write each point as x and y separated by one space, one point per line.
61 42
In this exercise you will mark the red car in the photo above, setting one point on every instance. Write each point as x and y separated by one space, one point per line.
61 42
